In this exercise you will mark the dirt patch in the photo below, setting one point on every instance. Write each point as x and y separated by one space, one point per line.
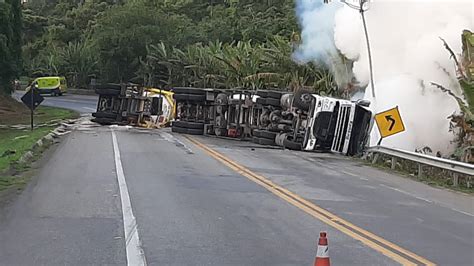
10 107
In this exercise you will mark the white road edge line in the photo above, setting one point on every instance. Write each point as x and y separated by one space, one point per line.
406 193
135 254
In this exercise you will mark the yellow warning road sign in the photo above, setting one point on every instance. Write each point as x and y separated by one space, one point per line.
389 122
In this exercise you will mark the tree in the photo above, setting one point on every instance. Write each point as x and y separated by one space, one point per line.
10 43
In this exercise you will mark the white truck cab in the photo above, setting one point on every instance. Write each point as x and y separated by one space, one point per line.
337 125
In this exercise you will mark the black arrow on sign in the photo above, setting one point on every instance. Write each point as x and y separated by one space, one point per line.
390 119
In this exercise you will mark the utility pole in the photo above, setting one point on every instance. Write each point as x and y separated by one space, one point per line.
362 7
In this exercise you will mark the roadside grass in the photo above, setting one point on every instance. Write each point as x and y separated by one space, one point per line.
42 114
14 143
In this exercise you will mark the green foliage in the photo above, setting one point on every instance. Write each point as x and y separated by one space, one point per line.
10 43
236 65
217 43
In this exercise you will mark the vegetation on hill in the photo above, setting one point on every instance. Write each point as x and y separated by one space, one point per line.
219 43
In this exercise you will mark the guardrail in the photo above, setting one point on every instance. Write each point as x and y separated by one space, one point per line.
454 167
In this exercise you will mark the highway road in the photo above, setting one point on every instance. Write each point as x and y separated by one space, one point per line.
80 103
118 196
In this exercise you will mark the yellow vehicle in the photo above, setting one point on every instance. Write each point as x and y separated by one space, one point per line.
55 86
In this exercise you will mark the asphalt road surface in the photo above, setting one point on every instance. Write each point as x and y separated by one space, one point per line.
119 195
79 103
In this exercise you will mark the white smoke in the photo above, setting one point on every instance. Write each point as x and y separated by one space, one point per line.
407 55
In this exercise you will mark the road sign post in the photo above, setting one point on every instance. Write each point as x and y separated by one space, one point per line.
389 123
32 99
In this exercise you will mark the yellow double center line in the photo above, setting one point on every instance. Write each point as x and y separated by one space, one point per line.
375 242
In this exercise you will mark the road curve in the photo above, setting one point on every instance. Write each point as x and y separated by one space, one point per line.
80 103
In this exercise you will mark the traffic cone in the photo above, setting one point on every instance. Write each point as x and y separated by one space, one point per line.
322 255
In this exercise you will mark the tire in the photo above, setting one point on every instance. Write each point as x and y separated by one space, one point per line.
184 90
189 97
104 115
196 98
274 94
261 101
181 130
109 86
111 92
256 133
180 97
266 134
302 99
263 141
103 121
272 102
290 144
194 131
186 124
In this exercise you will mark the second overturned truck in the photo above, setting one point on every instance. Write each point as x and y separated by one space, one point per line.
296 121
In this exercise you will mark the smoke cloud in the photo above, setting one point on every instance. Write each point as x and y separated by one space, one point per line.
407 56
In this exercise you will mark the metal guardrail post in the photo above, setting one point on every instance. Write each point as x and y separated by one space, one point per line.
376 158
420 170
394 162
455 179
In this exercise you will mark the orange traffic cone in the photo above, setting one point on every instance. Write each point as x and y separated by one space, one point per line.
322 255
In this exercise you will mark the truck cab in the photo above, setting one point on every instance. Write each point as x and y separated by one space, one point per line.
337 125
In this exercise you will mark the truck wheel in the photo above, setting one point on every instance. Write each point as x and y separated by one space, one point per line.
110 92
263 141
179 130
302 99
180 97
184 90
267 134
261 101
256 132
196 98
104 115
274 94
111 86
262 94
272 102
290 144
194 131
186 124
103 121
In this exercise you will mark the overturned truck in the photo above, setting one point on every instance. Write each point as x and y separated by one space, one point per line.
130 104
297 121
